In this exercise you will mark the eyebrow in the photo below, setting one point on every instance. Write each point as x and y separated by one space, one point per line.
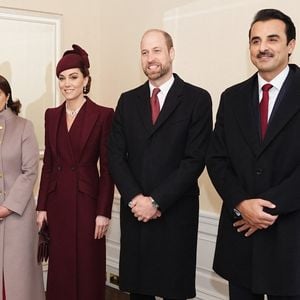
74 73
273 35
154 48
269 36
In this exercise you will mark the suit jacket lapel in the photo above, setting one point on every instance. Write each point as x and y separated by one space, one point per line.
286 106
246 112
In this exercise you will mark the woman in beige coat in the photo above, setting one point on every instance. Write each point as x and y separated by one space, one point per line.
20 275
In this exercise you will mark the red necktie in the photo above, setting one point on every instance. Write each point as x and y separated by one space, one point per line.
155 109
263 108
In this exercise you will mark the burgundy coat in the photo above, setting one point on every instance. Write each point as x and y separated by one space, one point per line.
73 194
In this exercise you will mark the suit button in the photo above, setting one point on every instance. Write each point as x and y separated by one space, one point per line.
58 168
73 168
259 171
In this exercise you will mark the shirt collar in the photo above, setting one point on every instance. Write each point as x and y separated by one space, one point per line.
276 82
164 88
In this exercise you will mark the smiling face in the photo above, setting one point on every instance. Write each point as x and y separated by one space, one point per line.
71 83
269 50
156 58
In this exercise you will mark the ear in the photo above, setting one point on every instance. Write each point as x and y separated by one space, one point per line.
172 53
86 80
291 46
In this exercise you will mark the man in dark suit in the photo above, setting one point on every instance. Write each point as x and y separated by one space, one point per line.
155 162
254 163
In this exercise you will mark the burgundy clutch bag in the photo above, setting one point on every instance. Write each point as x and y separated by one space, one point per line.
43 244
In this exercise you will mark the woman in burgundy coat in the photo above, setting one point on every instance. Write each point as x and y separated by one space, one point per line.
73 198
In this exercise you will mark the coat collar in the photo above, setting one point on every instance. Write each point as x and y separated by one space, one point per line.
7 114
246 109
286 106
172 101
89 122
91 117
52 122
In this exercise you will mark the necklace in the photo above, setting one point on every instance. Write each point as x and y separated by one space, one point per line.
73 113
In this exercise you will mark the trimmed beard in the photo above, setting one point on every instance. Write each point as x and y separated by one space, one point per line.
154 76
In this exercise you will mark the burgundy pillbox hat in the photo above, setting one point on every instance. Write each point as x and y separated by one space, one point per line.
76 58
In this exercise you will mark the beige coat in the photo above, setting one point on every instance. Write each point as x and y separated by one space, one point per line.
18 232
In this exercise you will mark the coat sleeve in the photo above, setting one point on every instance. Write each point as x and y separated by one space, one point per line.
219 164
22 189
118 161
193 160
106 185
46 170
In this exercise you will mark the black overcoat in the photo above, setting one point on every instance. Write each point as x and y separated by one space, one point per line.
163 161
242 167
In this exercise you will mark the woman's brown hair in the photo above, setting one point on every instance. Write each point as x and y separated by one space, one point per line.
15 106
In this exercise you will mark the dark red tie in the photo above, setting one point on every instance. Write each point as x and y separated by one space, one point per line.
155 109
263 108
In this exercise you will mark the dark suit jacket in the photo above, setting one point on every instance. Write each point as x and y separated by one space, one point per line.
242 167
163 161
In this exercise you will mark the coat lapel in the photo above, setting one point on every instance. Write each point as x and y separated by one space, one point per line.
286 106
246 113
143 105
90 119
91 116
55 118
171 102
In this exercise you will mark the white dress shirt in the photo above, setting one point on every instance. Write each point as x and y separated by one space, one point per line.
164 89
277 83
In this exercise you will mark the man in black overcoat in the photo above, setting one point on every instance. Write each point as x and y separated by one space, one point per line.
156 165
254 163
